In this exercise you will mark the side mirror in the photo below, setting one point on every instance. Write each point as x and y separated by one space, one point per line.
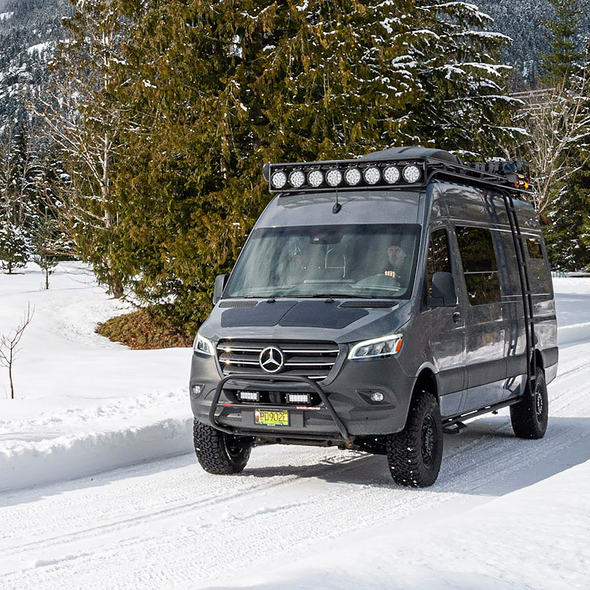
443 290
220 281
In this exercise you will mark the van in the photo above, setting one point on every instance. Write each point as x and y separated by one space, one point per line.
377 304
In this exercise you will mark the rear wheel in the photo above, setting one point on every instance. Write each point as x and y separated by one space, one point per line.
529 417
415 454
220 453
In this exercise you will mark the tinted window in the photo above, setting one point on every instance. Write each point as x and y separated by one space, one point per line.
438 255
539 277
479 265
534 246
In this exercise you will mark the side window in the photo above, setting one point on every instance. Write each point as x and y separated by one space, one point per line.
538 272
479 265
438 255
534 246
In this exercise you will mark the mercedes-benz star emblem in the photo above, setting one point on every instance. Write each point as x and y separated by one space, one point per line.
271 359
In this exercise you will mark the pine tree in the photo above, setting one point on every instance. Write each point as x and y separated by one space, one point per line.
14 245
206 93
463 105
50 238
567 180
565 57
225 90
17 178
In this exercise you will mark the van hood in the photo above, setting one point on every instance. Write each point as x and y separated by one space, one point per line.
337 320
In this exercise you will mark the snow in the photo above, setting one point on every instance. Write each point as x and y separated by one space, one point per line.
6 16
505 513
83 403
39 48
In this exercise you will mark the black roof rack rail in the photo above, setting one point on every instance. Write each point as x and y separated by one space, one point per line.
394 168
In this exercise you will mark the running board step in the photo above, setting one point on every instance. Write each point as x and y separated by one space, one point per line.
454 428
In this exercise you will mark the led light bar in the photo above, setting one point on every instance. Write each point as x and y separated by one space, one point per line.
344 175
249 396
298 398
394 168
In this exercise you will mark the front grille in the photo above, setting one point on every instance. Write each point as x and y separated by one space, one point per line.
313 360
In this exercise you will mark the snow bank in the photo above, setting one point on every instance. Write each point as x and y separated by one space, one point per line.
84 404
573 333
77 442
572 296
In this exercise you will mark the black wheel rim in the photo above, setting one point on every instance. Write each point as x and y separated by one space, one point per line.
429 441
235 447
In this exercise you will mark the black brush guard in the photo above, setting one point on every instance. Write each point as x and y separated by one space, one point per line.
288 378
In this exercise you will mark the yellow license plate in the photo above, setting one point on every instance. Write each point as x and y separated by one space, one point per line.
272 417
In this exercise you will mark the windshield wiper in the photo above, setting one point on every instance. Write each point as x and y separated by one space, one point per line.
339 296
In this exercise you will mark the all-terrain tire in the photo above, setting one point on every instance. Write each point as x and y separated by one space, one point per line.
414 455
220 453
530 416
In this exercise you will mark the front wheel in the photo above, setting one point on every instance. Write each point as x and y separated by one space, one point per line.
415 454
218 452
530 416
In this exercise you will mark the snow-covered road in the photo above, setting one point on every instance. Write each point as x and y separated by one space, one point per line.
505 513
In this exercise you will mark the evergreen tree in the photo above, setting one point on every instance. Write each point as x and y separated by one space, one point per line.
14 245
17 178
50 238
568 192
205 94
463 105
565 58
220 91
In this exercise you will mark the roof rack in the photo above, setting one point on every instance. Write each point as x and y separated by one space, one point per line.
394 168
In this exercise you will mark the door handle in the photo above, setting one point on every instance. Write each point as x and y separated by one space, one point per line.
456 317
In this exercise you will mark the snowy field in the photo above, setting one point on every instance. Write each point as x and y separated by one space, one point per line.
99 487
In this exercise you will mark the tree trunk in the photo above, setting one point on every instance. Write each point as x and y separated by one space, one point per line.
10 377
117 289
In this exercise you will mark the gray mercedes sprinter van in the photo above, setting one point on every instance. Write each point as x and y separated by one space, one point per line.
378 303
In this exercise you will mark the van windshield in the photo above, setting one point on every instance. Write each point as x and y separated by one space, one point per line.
368 261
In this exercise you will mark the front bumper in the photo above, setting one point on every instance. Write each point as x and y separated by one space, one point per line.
346 410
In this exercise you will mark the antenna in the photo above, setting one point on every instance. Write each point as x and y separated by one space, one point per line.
337 206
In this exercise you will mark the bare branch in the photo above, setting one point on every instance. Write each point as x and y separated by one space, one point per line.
9 345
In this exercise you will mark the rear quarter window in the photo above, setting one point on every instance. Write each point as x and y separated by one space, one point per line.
539 276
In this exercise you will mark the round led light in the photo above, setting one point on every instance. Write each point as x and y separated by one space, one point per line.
279 179
315 178
411 174
334 177
372 175
391 174
377 396
296 178
352 176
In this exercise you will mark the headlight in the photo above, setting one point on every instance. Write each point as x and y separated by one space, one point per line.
376 348
203 346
